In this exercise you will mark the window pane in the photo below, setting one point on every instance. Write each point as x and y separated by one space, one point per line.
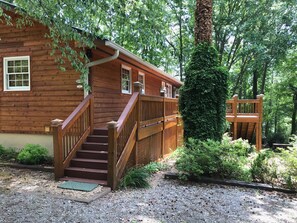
19 77
18 63
25 76
10 63
25 62
19 83
11 77
25 83
17 69
24 69
10 70
11 83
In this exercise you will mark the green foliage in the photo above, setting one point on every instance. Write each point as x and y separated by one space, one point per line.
210 158
137 177
33 154
8 154
203 96
264 166
154 167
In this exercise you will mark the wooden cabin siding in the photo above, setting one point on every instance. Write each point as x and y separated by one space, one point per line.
105 81
53 93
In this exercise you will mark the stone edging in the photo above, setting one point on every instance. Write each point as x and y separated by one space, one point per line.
30 167
171 175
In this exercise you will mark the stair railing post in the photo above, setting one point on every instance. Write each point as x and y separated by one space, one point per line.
138 88
234 110
58 148
259 124
162 93
112 154
92 114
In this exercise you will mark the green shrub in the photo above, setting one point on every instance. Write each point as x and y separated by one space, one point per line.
264 167
135 178
209 158
238 147
9 154
203 96
33 154
154 167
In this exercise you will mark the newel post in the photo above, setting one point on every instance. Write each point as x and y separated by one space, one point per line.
138 88
162 93
58 150
234 111
112 154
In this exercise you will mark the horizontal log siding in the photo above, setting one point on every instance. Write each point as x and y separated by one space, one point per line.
106 87
53 93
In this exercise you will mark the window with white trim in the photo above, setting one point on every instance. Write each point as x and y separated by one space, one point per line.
141 79
16 72
126 79
168 90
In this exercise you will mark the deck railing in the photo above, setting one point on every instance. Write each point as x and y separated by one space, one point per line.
70 134
246 110
143 118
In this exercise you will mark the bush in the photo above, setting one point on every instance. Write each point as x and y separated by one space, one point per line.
33 154
203 95
137 177
9 154
209 158
264 167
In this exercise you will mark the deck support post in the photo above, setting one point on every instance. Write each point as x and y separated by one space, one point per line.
58 150
234 110
112 154
259 124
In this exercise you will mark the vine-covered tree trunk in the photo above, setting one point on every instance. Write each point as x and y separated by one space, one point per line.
203 21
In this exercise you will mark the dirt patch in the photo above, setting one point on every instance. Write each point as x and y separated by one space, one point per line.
21 180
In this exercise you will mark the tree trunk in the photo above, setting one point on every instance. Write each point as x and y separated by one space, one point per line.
203 21
264 77
294 114
255 83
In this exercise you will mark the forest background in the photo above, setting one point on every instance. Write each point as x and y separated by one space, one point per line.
256 41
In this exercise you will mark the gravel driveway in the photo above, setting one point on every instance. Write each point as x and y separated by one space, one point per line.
165 201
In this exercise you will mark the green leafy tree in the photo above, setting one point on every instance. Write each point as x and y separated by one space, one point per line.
204 93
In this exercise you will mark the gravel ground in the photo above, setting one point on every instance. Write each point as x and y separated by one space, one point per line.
164 201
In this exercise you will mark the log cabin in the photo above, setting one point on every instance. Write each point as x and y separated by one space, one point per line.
129 117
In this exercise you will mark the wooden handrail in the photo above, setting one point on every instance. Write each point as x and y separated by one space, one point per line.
128 109
69 135
77 112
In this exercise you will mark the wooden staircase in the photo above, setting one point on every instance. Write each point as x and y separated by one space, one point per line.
90 163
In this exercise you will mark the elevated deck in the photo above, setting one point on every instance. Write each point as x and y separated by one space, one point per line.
246 116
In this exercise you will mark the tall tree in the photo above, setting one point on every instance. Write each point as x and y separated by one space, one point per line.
203 96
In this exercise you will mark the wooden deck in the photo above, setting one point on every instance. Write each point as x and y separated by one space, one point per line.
246 116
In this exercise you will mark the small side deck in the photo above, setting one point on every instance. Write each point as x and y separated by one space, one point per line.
246 116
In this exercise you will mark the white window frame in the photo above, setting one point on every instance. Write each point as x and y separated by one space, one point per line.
143 84
168 90
124 91
5 74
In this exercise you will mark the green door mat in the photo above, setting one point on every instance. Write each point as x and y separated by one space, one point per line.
71 185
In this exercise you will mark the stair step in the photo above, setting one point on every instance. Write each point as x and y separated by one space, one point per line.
95 146
86 173
97 138
100 131
82 180
92 154
89 163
